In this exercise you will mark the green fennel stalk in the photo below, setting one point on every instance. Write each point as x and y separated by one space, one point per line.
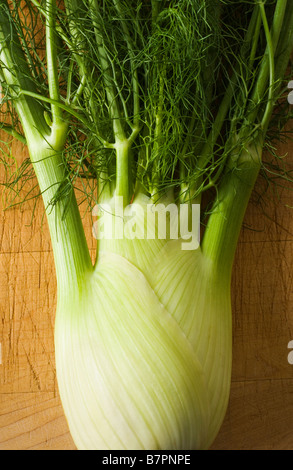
154 102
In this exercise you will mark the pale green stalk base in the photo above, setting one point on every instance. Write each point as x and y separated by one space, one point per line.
143 356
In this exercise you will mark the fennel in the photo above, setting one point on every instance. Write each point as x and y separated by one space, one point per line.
154 102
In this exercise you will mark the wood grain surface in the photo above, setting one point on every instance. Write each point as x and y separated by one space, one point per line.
260 412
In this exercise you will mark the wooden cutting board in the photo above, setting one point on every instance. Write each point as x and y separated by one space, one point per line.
260 412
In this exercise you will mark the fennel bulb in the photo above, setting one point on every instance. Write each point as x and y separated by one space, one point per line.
142 347
155 103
